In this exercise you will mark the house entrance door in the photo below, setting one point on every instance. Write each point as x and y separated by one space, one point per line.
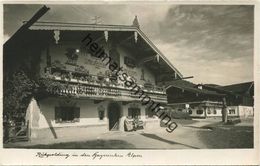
114 113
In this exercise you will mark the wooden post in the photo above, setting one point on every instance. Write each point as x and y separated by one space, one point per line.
224 111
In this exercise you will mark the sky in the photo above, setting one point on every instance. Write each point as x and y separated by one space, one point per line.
213 43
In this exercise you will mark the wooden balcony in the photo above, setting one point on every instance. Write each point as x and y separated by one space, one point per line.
100 90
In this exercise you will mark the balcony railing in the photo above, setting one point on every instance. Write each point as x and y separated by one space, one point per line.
100 87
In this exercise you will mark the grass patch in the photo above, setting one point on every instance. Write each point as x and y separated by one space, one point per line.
228 136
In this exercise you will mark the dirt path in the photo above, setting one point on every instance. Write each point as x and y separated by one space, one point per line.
187 136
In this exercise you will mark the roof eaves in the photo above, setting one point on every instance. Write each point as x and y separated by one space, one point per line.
79 27
194 90
101 27
158 51
221 89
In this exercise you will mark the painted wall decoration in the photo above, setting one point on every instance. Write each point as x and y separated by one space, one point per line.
129 62
90 60
72 56
130 72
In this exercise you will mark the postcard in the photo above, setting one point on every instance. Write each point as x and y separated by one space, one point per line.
130 83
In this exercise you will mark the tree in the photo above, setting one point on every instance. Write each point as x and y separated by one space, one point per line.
18 91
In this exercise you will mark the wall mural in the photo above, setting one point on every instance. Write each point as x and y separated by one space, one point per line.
90 60
129 62
130 72
72 56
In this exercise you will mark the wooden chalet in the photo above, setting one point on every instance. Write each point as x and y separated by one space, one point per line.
76 89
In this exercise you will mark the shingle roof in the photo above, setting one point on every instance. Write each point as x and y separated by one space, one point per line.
240 88
234 89
189 86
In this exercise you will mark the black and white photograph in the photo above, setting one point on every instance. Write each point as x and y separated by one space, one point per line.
128 76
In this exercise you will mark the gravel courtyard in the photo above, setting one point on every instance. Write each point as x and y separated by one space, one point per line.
190 134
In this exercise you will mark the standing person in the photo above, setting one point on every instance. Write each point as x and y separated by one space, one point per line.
136 122
128 124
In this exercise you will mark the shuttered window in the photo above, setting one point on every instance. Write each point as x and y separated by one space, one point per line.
199 112
232 111
67 114
134 112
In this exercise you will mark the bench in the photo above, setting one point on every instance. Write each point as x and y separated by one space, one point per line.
131 125
232 121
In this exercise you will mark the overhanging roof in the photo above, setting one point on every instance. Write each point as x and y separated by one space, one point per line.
240 88
101 27
190 87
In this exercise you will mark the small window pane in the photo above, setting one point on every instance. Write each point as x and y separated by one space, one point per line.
134 112
67 114
232 111
199 112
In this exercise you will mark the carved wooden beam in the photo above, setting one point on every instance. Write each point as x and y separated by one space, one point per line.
56 36
158 58
136 36
106 35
